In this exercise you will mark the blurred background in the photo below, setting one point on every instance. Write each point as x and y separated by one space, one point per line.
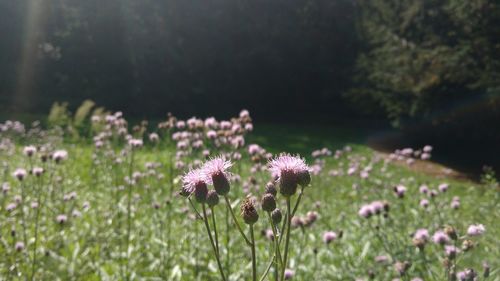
409 72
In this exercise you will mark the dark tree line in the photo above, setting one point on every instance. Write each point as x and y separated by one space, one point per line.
414 62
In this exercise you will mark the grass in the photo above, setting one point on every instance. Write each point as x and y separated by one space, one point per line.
116 230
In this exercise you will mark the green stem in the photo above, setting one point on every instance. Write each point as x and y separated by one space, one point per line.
129 215
215 230
254 264
207 226
287 239
37 215
236 221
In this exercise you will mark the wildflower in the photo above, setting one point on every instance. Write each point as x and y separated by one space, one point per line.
486 270
153 137
248 212
366 211
291 171
467 275
61 219
37 171
400 190
19 246
424 189
451 251
20 174
476 230
422 234
29 150
59 155
427 148
216 173
402 267
329 236
289 274
443 187
195 182
424 203
271 189
440 237
10 207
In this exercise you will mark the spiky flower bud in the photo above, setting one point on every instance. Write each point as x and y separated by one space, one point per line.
221 183
450 231
303 178
200 192
248 212
276 216
268 202
271 188
212 198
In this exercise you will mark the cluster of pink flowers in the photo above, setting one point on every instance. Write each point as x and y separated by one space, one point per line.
374 208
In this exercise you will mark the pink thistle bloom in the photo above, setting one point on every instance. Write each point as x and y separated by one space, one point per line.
377 207
38 171
216 166
451 251
29 150
443 187
424 203
289 274
19 246
211 123
180 124
366 211
290 171
400 190
60 155
211 134
61 219
191 179
425 156
427 148
329 237
225 125
422 234
10 207
476 230
153 137
248 127
244 113
135 143
20 174
254 149
455 204
440 237
424 189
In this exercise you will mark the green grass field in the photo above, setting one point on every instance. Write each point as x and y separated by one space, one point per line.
85 219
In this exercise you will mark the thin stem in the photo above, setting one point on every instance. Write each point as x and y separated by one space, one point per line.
287 240
129 214
298 201
37 215
254 264
276 241
267 268
236 221
215 230
207 226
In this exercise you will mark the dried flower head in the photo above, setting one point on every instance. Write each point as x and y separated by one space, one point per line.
248 211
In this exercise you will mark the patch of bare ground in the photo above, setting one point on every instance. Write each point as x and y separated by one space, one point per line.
429 168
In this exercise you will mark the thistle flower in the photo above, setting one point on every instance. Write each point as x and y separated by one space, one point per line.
443 187
467 275
476 230
37 171
440 237
29 150
451 251
421 234
271 189
289 274
366 211
329 237
19 246
195 180
61 219
291 171
400 190
20 174
215 171
59 155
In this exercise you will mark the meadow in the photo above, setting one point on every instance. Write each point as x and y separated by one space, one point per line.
196 199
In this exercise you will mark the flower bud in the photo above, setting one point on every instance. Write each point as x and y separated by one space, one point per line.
304 178
288 183
212 198
271 189
200 192
276 216
248 212
221 183
268 202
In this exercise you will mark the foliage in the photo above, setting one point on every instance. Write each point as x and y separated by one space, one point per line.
430 60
